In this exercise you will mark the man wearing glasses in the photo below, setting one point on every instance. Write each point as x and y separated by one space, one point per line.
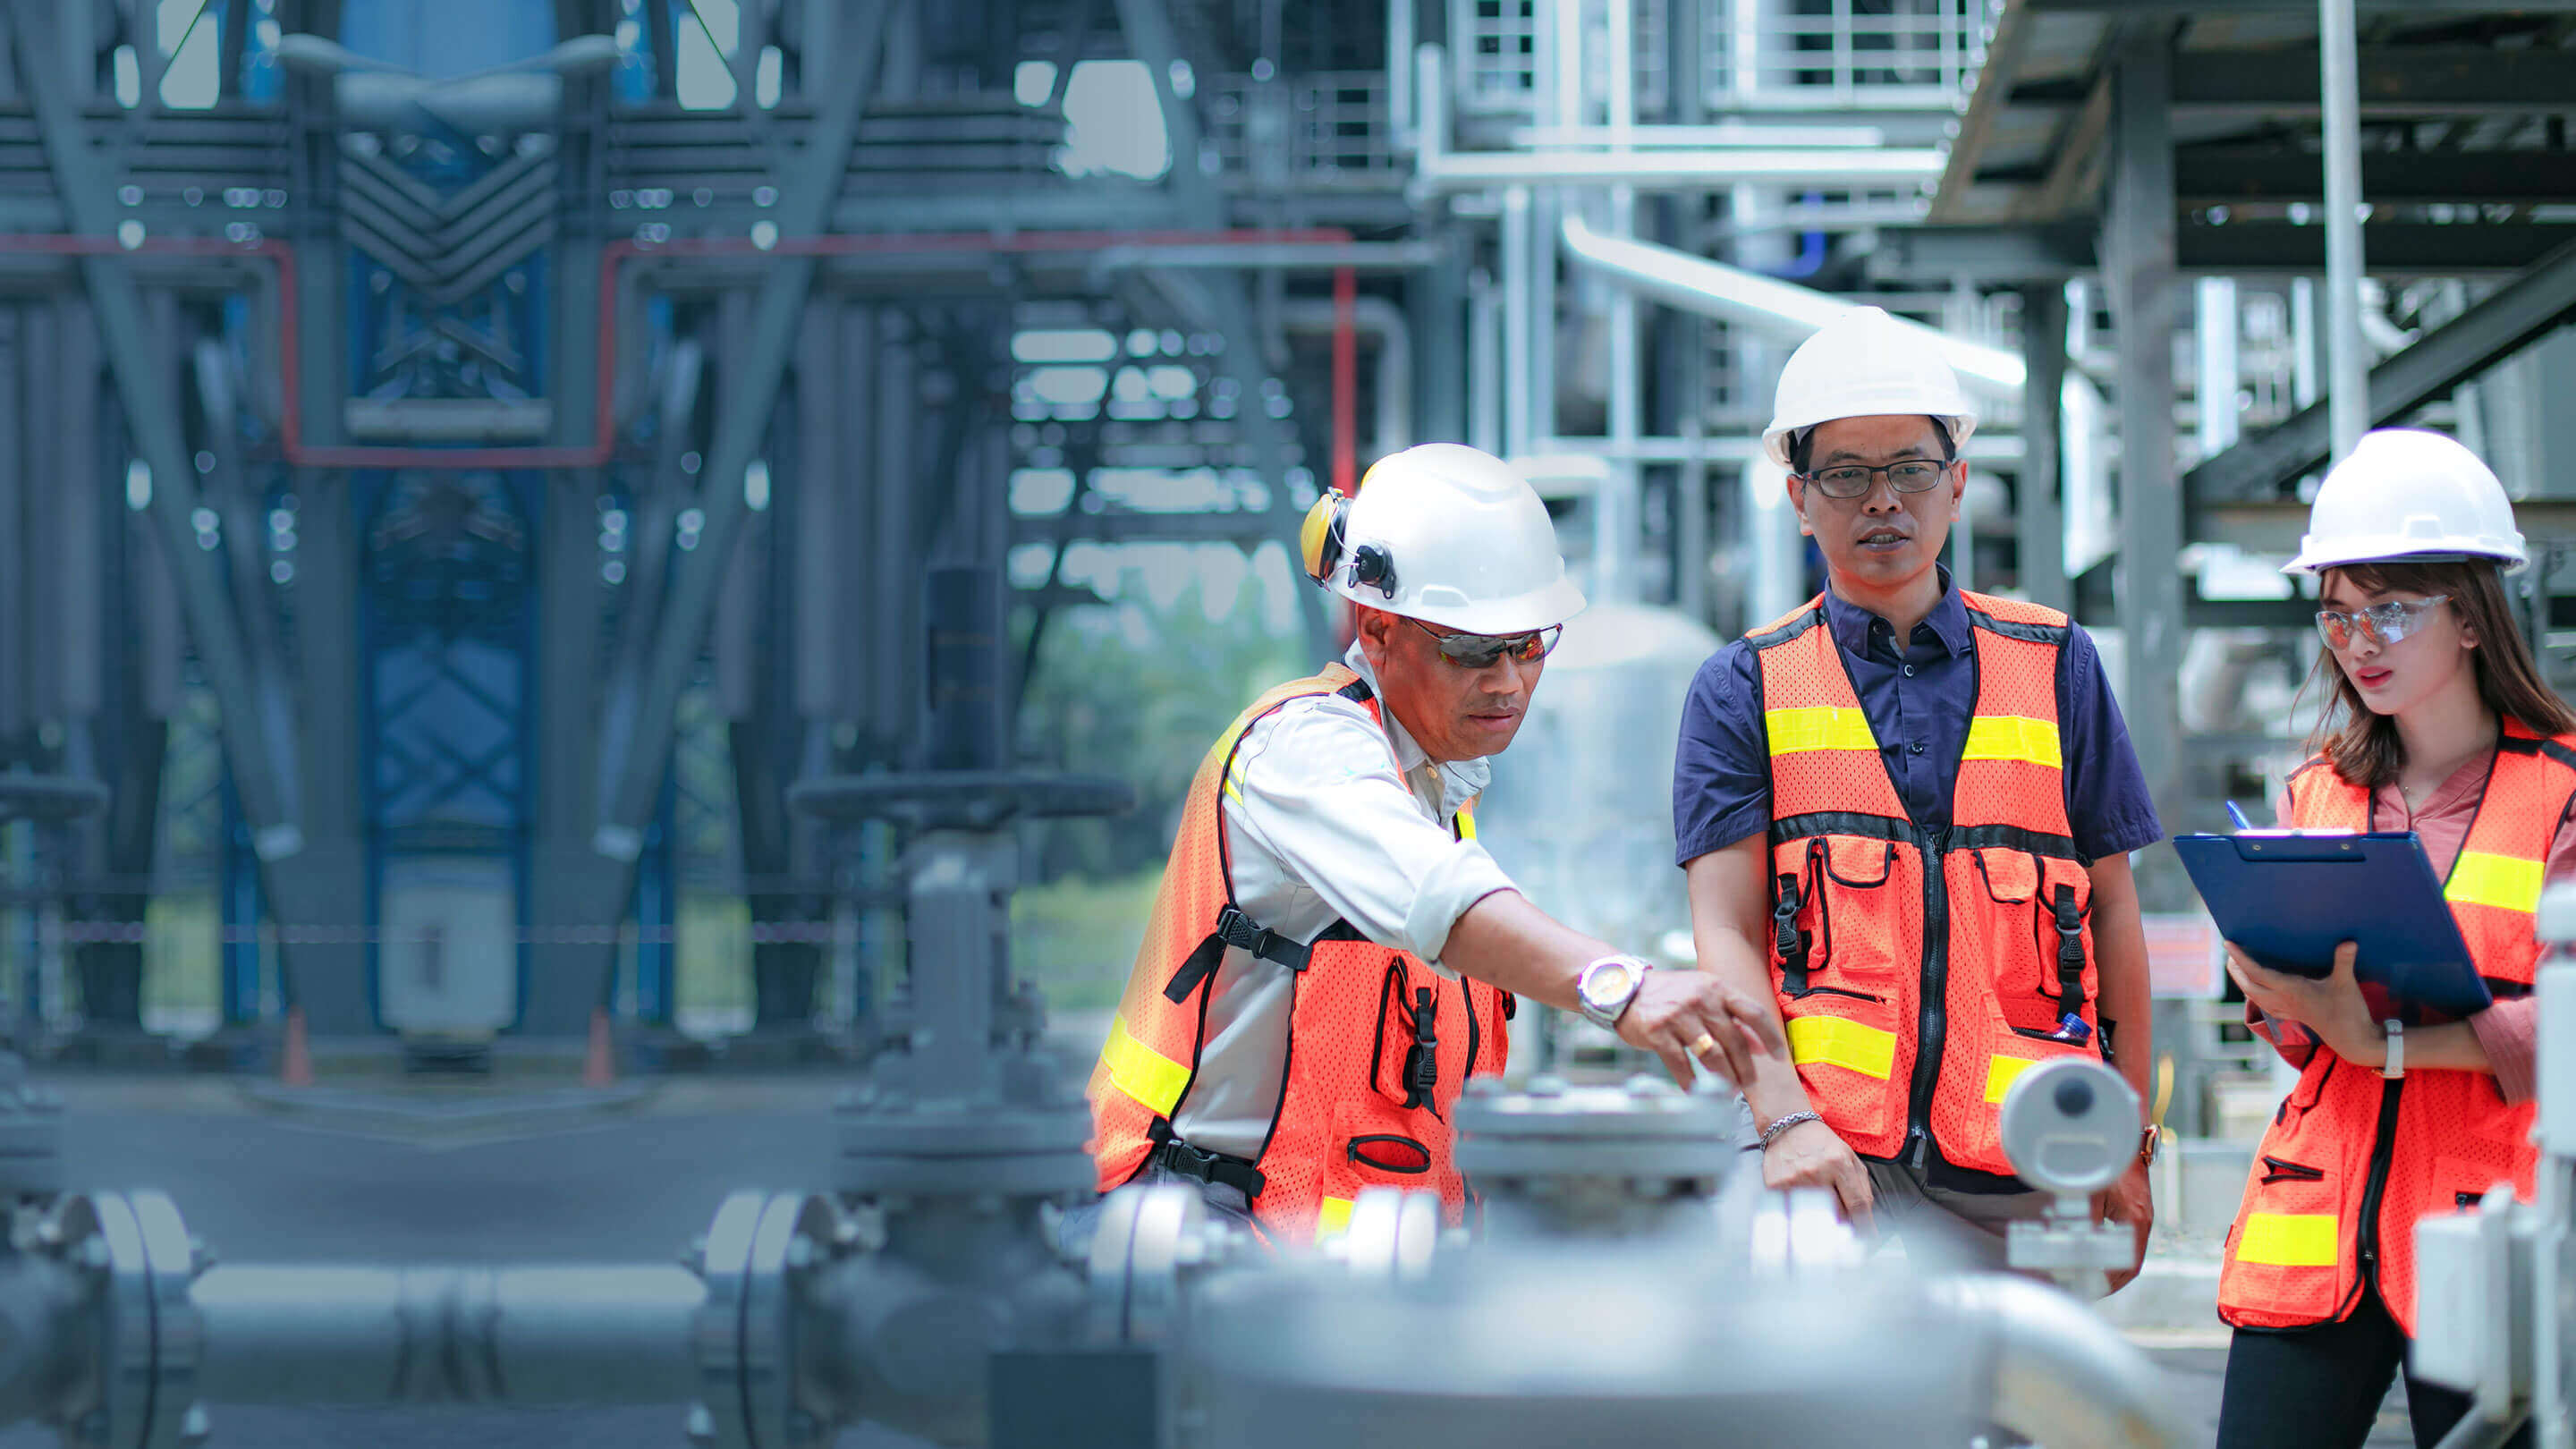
1906 811
1332 954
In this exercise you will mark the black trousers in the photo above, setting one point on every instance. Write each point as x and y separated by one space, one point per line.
2320 1388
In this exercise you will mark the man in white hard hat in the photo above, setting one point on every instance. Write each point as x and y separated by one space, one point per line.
1332 954
1906 812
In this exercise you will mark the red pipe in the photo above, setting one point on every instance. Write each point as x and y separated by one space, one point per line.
1346 383
614 255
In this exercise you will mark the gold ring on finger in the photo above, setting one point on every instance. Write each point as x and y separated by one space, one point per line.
1704 1045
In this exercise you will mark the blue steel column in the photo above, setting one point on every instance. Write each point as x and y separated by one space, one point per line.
750 389
571 958
2138 239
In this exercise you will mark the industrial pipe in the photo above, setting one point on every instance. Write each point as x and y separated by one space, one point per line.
1775 308
521 1336
1677 170
2064 1377
1384 323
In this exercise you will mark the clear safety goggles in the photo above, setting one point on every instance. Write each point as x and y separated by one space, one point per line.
2382 624
1479 651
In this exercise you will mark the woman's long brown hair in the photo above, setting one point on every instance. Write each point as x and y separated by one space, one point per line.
2363 744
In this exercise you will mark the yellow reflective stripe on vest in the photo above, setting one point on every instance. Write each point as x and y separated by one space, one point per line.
1142 1072
1465 821
1332 1218
2289 1240
2002 1072
2504 881
1837 1042
2014 737
1823 727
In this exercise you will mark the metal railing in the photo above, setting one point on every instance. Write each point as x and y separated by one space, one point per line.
1835 54
1778 55
1320 126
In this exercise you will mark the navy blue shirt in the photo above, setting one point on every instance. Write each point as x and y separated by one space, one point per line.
1918 700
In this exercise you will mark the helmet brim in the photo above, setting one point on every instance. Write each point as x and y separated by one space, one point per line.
1519 614
2343 553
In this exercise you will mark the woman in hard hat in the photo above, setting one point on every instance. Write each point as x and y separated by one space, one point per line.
2440 723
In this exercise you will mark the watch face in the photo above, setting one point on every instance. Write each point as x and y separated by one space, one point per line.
1607 982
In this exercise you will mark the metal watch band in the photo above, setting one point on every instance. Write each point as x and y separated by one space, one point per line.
1785 1123
1607 1018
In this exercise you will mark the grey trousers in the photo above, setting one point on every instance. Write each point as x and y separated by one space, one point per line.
1942 1228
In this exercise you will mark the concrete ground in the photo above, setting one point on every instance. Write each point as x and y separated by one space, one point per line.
453 1174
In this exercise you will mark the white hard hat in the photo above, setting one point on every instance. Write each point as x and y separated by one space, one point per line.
1445 534
2408 494
1865 364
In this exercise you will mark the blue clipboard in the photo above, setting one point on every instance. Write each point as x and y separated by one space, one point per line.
2289 900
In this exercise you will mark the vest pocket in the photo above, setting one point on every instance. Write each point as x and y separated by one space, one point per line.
2288 1251
1830 935
2039 930
1389 1152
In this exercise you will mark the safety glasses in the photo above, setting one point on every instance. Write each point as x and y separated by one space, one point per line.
2383 624
1479 651
1913 475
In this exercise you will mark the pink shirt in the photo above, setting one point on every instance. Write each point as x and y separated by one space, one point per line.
2508 1030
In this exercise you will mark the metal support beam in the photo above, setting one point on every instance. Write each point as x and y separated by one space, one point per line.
2007 256
327 977
152 413
2042 520
2537 302
2233 174
2347 361
2414 80
2140 271
750 390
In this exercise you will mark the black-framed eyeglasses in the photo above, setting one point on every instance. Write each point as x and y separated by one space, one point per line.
2382 623
1852 480
1479 651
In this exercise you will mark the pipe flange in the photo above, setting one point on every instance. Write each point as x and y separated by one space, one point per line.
795 1229
147 1349
1392 1235
723 1261
1147 1236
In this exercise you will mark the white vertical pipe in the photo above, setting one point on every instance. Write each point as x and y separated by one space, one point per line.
1774 548
1616 542
2348 368
1485 364
1399 71
1518 289
1566 59
1540 269
2214 336
2304 389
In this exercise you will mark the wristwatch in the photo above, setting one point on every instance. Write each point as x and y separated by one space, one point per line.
1607 986
2394 1066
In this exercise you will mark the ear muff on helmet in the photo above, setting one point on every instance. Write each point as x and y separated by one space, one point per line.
1319 538
1320 545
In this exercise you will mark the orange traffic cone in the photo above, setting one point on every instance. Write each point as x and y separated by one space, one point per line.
296 1065
599 1068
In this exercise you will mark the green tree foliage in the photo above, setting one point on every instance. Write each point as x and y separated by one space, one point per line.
1138 692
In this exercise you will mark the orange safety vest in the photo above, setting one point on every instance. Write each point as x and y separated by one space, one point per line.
1379 1044
2353 1160
1919 970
